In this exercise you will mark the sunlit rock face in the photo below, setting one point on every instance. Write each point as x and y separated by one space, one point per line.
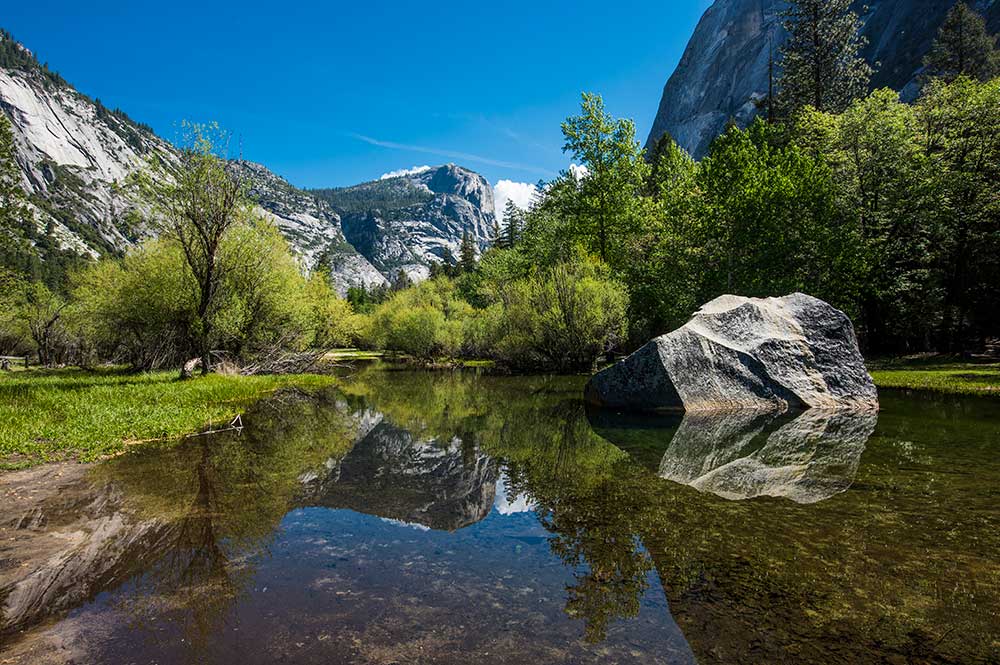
74 155
390 473
744 455
407 222
724 69
312 229
767 354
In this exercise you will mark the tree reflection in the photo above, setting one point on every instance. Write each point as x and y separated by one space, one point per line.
222 498
575 479
538 427
769 537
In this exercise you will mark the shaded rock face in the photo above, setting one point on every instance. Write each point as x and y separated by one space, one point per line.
725 66
745 454
391 474
767 354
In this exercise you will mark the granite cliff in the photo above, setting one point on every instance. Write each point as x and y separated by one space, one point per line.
724 69
74 153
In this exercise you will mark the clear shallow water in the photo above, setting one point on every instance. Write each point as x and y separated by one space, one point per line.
440 517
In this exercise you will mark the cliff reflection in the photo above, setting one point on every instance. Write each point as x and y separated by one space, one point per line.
773 538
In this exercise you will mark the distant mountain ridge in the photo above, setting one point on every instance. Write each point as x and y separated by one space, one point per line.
724 69
74 153
407 222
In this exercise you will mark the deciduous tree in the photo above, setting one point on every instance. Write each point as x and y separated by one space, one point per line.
195 203
604 209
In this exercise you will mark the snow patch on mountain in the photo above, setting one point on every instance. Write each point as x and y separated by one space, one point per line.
416 170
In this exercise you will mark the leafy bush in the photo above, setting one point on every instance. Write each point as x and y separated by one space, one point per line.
426 321
561 319
142 310
558 319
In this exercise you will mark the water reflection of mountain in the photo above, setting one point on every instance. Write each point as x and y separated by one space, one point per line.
900 568
63 538
189 516
390 473
805 457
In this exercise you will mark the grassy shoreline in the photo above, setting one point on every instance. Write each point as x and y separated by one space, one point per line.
938 375
52 415
86 415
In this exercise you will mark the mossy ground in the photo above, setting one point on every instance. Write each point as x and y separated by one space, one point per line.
48 415
939 374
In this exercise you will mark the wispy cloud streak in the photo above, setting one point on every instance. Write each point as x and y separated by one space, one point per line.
451 154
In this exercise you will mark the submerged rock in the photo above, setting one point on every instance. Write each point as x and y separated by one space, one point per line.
745 353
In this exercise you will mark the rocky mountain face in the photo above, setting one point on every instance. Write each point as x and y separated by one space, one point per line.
407 222
74 153
724 69
312 228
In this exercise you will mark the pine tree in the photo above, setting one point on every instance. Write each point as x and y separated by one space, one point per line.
401 282
963 47
513 223
12 199
467 253
821 62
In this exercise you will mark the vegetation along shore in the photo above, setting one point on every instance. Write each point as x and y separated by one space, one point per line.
883 208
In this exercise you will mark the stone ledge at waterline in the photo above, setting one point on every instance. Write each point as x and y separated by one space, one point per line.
793 352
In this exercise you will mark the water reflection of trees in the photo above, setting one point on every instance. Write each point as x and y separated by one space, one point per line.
807 574
222 498
539 428
554 458
763 580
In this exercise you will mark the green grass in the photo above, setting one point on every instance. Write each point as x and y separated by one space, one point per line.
939 375
48 415
348 355
352 354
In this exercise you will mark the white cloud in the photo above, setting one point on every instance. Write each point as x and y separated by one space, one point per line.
506 505
521 193
416 170
579 171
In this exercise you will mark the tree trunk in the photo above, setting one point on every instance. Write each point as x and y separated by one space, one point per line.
189 367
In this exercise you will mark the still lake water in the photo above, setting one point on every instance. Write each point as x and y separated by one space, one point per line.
453 518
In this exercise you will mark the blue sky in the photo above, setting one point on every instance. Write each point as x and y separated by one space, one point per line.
335 93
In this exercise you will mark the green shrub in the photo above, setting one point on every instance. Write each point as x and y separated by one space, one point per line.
426 322
561 319
142 310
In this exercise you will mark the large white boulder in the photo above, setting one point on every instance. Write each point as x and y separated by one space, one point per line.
773 354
